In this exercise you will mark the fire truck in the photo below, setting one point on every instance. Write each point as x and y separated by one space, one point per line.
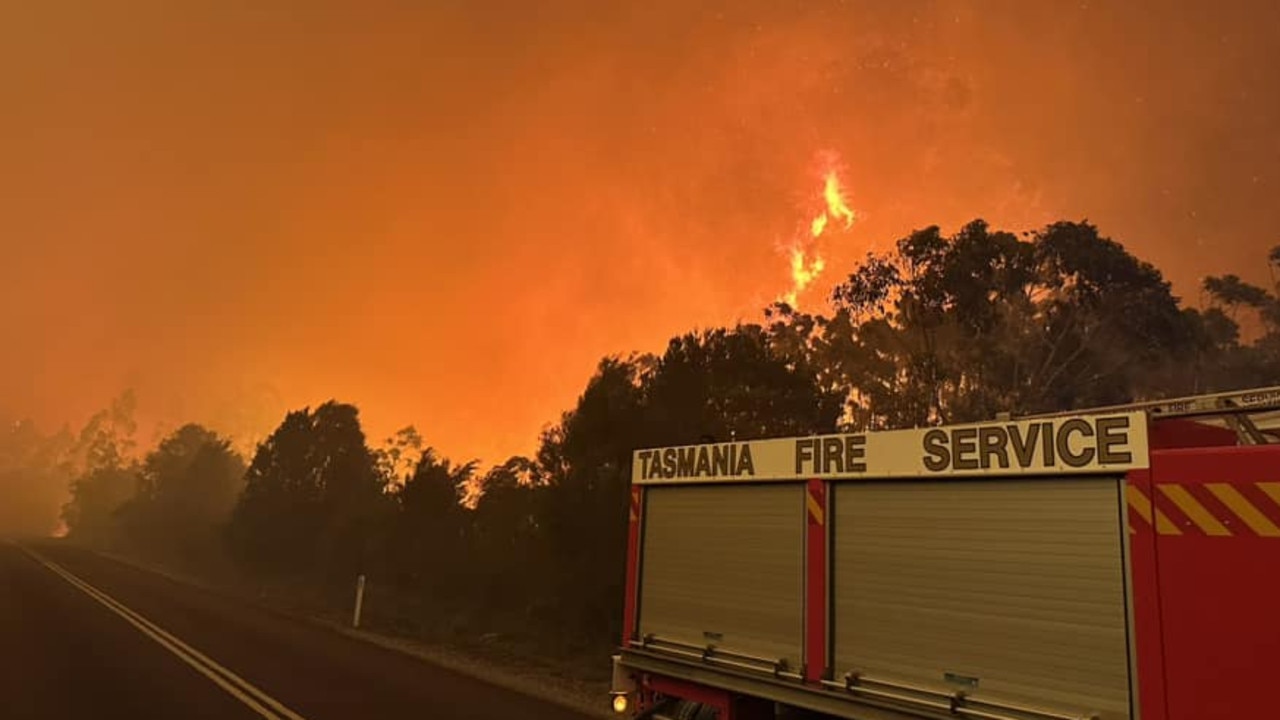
1118 563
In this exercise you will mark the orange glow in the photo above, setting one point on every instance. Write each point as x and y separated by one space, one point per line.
448 214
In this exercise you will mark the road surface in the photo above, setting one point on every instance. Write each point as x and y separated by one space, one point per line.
85 637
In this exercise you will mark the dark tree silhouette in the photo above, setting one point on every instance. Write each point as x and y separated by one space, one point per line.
430 540
186 490
105 474
509 543
947 329
313 501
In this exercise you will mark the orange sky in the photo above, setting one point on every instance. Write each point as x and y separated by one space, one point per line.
449 215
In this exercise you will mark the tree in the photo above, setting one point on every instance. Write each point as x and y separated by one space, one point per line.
1233 293
952 329
1110 328
430 542
34 478
104 471
187 488
734 383
1223 360
585 461
107 439
509 548
313 502
399 456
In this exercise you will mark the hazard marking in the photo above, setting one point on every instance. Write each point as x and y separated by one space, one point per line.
816 515
1243 509
1142 506
1215 509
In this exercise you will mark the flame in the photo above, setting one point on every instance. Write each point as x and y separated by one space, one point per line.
836 205
808 264
803 272
818 225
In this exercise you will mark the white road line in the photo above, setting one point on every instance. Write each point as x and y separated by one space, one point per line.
239 688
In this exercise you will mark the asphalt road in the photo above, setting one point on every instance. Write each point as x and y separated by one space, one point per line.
82 636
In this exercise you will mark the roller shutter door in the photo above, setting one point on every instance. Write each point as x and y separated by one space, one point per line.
1019 584
724 565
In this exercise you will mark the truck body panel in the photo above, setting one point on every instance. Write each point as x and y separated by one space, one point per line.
747 551
1013 591
1219 579
1075 568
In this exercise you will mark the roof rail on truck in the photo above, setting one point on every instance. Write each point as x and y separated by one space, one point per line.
1254 414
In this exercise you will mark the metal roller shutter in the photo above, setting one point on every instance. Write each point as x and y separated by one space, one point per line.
1019 584
725 566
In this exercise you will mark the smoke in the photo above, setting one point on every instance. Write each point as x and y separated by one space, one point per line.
448 213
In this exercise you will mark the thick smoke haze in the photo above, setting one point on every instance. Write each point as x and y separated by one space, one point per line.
448 212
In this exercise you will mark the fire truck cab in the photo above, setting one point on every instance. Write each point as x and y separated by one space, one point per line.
1112 564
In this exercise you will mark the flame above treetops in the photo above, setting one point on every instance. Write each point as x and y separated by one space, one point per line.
807 262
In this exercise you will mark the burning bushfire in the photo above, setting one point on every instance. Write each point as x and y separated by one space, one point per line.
806 259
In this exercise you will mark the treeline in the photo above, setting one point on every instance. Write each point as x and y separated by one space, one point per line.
941 329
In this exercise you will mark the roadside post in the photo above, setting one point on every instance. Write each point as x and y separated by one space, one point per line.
355 616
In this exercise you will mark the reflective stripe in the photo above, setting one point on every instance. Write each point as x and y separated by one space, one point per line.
1194 510
1241 506
1142 505
815 508
1272 489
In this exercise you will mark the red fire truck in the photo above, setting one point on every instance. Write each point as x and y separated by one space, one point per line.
1117 563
